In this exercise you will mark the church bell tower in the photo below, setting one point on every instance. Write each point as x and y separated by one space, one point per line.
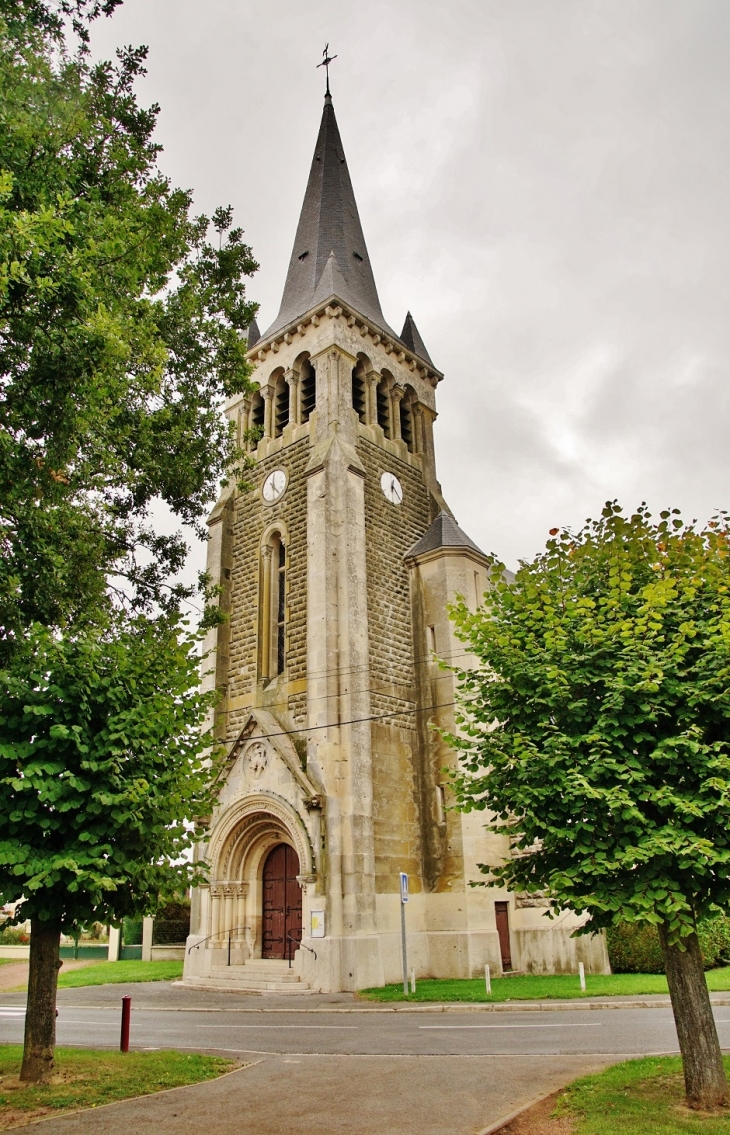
335 572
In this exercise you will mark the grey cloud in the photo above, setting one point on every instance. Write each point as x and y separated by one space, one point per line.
544 183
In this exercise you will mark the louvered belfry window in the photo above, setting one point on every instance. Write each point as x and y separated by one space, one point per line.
359 392
308 390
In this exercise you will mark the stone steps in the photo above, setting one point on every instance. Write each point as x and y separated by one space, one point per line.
257 976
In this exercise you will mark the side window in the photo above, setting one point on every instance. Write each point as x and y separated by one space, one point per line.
272 608
281 609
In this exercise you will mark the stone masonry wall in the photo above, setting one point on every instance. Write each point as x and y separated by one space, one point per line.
390 531
251 520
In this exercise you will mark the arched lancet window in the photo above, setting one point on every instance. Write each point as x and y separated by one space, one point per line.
272 629
281 405
383 403
307 390
360 391
280 590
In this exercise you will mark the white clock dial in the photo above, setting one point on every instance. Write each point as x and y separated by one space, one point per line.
274 486
392 488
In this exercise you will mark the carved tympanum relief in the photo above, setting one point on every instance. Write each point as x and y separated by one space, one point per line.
257 760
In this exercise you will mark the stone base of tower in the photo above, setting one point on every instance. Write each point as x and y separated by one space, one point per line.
348 964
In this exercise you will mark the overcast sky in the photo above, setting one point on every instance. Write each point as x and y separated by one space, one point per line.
543 183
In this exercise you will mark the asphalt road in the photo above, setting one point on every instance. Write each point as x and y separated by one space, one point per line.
236 1029
329 1065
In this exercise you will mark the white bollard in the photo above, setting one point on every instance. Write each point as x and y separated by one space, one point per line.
582 976
413 981
488 979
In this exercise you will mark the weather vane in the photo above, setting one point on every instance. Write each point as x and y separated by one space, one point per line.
326 64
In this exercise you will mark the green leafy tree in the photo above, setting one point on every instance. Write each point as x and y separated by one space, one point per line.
596 732
121 335
102 754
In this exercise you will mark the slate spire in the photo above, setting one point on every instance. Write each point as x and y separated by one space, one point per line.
329 255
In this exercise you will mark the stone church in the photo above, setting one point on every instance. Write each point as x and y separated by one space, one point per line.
335 573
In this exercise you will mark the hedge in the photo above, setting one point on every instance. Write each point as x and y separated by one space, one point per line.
634 948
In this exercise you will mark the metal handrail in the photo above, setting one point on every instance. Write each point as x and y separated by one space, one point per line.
197 945
233 929
300 943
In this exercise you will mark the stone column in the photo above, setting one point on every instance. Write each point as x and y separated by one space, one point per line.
200 911
428 417
371 402
268 397
240 923
215 920
243 419
396 397
229 895
417 415
292 380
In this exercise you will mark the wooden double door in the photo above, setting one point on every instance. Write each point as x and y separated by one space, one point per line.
282 913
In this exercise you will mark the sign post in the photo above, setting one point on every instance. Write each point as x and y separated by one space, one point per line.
403 901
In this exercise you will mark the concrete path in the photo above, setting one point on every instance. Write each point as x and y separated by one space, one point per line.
341 1095
15 974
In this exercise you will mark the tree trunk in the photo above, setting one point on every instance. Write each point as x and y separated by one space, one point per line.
704 1073
40 1015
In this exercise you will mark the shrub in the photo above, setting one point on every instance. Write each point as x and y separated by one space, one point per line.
14 936
172 923
132 932
714 936
634 948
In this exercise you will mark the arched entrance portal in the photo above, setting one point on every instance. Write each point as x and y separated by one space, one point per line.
282 903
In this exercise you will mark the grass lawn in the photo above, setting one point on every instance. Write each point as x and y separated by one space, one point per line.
89 1077
528 988
640 1097
111 973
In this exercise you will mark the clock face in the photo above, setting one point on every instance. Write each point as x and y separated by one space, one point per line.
392 488
274 486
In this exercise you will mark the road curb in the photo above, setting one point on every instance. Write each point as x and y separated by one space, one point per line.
500 1124
422 1007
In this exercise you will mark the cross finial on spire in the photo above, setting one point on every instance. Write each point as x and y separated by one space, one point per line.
326 60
